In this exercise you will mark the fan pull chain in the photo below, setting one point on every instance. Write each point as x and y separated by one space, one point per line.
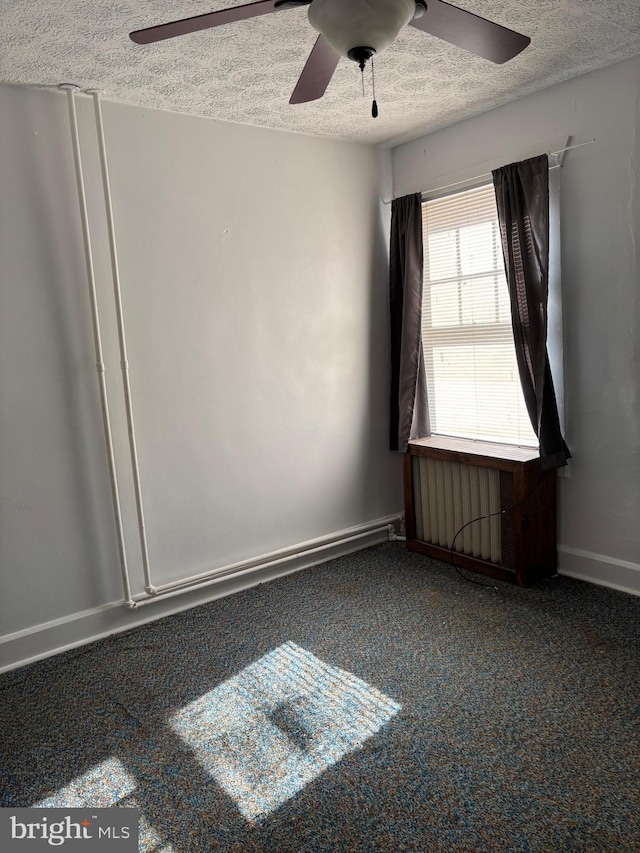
362 76
374 105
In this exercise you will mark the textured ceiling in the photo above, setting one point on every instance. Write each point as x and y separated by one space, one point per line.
245 72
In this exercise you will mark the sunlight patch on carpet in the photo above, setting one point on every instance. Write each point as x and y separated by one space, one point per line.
267 732
104 786
100 787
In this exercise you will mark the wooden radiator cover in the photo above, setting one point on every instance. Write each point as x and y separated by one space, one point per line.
526 530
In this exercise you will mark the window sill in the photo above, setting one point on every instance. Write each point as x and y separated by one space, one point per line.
486 449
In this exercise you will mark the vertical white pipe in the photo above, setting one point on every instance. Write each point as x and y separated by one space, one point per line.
73 121
117 293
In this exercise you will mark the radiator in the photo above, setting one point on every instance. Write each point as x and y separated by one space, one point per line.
450 482
448 495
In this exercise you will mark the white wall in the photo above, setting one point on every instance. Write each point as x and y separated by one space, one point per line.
600 501
254 278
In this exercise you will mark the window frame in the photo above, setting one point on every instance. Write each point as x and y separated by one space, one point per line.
503 330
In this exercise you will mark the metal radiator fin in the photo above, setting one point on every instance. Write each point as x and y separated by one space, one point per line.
448 495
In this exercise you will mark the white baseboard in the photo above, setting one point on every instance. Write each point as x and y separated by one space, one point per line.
598 569
78 629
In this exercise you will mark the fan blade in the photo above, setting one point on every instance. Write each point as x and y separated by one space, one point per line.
470 32
203 22
316 74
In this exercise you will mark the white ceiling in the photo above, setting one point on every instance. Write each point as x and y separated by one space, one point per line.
245 72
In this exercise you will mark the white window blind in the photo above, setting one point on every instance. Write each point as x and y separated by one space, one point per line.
472 375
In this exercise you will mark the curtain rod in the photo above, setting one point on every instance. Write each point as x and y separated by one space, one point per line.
488 174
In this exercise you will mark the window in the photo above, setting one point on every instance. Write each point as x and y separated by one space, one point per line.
472 374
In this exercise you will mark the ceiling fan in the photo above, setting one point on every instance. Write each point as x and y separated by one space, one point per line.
358 30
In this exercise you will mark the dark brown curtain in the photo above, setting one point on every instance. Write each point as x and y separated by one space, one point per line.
522 197
409 413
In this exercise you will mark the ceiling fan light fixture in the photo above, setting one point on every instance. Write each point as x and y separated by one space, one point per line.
357 29
351 24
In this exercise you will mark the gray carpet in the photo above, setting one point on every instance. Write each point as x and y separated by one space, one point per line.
375 703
